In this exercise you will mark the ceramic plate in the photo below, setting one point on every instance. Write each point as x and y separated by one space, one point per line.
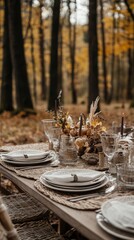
77 184
64 177
74 189
24 155
113 230
23 163
120 211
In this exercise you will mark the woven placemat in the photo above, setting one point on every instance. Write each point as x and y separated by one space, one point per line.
88 204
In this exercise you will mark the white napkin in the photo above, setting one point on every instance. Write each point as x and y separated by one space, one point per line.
73 177
122 213
24 155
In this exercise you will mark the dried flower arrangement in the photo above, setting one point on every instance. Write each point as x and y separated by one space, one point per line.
86 131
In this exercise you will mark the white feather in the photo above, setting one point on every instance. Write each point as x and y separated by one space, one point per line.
93 109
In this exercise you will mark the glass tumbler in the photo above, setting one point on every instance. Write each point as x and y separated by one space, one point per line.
68 152
125 177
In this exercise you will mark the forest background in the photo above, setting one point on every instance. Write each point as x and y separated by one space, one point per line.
85 48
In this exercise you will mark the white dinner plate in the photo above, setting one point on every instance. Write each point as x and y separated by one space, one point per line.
77 184
64 177
71 189
113 230
24 155
119 212
22 163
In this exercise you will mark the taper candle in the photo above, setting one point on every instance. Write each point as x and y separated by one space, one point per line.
122 125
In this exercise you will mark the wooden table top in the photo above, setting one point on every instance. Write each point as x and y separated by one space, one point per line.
84 221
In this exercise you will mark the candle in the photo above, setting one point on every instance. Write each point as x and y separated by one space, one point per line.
80 128
122 125
55 109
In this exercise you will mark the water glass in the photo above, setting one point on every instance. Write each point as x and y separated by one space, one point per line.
52 132
131 156
109 145
68 152
125 177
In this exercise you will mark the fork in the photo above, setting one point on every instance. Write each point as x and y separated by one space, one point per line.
91 195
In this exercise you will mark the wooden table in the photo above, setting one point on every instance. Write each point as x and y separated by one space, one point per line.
83 221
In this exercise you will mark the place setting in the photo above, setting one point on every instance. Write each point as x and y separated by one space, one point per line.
116 217
74 180
27 159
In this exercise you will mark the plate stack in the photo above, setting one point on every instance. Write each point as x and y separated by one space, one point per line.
27 157
74 180
117 217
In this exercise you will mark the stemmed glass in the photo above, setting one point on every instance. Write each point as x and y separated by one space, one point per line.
53 133
109 144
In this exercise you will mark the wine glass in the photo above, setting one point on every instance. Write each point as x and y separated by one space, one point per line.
53 132
47 125
109 144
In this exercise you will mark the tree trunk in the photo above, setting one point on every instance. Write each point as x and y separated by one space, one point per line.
72 50
33 65
93 89
60 82
53 89
103 53
129 81
6 87
112 57
42 54
23 96
118 84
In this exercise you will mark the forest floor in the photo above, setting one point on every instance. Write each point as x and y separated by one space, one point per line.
23 128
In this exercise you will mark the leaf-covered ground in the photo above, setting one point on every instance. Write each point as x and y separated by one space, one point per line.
22 128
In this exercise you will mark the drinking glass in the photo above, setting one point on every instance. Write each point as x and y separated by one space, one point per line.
109 145
125 177
53 132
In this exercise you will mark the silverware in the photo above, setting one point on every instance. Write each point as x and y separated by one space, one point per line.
92 195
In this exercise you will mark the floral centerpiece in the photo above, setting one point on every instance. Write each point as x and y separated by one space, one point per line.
86 130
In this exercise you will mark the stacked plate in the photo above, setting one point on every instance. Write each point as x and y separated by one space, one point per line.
117 217
74 180
27 157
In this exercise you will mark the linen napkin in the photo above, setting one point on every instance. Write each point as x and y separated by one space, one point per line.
122 213
23 155
73 177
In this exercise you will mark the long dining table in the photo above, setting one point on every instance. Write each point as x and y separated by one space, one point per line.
84 221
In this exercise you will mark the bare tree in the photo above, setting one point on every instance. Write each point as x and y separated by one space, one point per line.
103 52
6 86
23 96
53 89
93 89
72 50
42 53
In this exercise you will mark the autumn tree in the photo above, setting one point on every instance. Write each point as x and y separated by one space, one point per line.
93 89
23 96
103 51
53 89
6 87
72 50
42 52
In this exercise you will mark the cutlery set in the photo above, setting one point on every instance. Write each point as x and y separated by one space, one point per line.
92 195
